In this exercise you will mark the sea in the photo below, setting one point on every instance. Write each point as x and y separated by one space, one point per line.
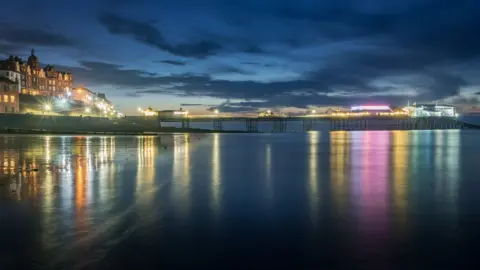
309 200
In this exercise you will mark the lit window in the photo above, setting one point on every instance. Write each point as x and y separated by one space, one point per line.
5 98
12 99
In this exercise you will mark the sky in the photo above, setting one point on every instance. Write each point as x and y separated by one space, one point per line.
249 55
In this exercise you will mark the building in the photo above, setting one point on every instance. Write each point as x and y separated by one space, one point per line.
82 94
11 70
166 114
431 110
35 80
8 96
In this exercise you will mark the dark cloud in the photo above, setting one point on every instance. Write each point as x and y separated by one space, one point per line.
191 104
32 37
172 62
149 35
227 69
355 52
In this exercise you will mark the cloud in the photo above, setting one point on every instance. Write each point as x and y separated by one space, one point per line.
172 62
151 36
32 37
228 69
339 52
191 104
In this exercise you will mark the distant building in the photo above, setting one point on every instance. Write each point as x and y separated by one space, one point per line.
431 110
83 94
12 75
8 96
172 113
103 97
34 80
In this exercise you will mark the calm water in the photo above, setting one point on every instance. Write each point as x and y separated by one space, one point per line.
319 200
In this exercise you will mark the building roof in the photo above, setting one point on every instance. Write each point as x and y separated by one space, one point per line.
168 111
432 105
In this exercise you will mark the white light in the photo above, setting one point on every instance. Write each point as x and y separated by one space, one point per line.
47 107
216 111
139 109
314 111
87 110
269 111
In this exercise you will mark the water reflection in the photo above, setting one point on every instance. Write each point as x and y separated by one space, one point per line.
90 192
313 142
268 173
145 180
181 173
400 166
216 177
372 152
339 162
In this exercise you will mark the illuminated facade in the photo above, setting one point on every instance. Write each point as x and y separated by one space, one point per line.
8 96
431 110
169 113
82 94
34 80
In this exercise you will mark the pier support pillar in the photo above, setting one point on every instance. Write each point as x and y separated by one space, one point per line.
251 125
279 125
186 123
217 124
308 124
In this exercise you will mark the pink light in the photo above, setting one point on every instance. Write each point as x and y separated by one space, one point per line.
371 108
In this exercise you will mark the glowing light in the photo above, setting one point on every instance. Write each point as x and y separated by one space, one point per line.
149 113
47 107
269 111
139 109
371 108
314 111
180 112
216 111
87 110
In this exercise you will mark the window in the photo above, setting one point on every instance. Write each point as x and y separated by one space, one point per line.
5 98
12 99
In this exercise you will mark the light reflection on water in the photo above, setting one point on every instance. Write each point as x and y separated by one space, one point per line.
361 193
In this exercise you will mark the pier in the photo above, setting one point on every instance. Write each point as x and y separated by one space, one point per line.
281 124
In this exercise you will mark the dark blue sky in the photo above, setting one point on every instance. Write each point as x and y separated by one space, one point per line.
250 54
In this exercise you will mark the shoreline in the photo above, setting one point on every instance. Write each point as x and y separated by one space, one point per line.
7 131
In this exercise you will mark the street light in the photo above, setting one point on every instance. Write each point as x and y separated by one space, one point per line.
47 107
216 111
87 110
139 109
314 111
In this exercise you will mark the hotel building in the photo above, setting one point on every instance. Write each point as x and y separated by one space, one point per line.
32 79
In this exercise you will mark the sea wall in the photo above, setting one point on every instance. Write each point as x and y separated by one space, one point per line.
65 123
